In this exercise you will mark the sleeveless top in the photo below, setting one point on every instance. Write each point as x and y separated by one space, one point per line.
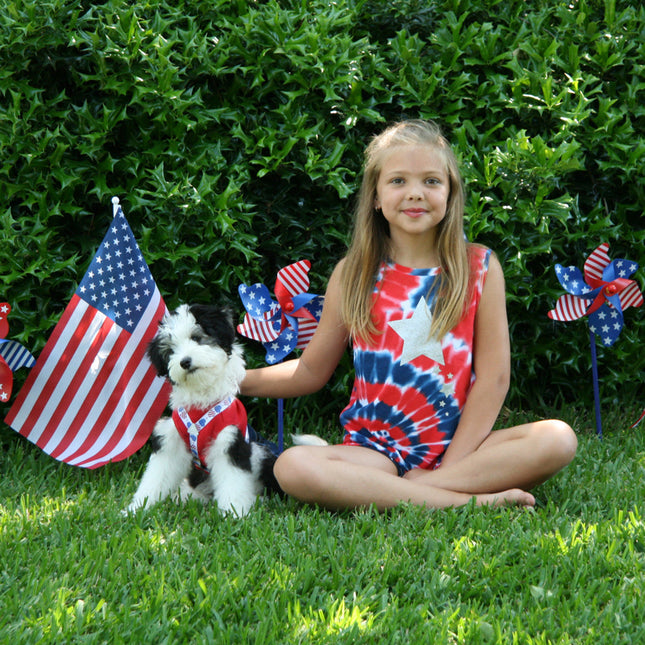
409 390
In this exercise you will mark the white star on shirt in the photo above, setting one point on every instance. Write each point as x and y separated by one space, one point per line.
415 332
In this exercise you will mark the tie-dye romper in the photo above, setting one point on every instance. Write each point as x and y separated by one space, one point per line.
407 398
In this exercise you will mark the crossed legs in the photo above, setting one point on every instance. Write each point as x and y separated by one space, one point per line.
499 472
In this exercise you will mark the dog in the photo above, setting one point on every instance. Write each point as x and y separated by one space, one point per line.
206 449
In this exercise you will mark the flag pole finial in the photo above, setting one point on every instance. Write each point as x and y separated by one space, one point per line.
115 206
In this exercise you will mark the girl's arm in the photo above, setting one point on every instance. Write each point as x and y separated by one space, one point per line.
317 362
491 363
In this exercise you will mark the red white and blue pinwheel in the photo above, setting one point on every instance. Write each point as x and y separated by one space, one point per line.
602 293
284 325
12 355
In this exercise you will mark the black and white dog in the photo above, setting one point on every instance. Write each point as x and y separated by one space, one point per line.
208 437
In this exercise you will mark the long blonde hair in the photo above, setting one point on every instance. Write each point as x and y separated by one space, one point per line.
370 243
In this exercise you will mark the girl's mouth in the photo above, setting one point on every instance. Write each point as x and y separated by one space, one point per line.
414 212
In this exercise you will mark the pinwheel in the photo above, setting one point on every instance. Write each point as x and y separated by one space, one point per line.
12 355
602 293
284 325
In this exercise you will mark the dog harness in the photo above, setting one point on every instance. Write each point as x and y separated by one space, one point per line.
198 428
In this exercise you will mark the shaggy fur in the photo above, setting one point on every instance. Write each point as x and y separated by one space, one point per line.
195 350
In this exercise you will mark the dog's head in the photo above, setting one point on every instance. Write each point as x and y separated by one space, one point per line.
195 350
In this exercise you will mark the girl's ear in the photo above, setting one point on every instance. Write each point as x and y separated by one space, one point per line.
377 203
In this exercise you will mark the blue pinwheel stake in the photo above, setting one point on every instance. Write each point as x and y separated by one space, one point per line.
602 294
284 325
12 355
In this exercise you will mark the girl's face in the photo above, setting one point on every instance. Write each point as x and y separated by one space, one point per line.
413 190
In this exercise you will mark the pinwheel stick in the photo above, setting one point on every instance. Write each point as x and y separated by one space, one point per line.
280 425
596 391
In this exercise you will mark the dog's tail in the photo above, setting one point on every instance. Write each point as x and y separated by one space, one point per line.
308 440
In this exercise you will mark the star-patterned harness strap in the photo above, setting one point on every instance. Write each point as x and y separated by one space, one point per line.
195 428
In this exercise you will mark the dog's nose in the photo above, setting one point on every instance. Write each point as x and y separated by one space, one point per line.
185 363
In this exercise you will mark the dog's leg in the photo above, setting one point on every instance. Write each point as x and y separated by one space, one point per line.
169 465
235 484
197 486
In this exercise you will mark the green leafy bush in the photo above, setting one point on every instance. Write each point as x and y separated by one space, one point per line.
233 133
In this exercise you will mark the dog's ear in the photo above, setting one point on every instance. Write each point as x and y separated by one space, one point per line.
217 322
157 356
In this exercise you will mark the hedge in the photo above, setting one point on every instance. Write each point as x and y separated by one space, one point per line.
233 133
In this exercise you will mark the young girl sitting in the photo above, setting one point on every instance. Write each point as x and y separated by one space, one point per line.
426 315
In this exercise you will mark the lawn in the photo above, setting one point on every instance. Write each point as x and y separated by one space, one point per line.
74 570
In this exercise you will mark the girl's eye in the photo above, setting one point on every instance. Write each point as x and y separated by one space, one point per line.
397 180
432 181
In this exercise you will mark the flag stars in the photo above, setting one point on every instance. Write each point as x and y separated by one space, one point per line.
110 287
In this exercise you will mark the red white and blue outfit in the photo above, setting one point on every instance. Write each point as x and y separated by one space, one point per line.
199 428
408 393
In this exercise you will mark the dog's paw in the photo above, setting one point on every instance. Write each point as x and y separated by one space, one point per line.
202 492
131 509
308 440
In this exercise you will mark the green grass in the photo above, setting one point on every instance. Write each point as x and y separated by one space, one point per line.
73 569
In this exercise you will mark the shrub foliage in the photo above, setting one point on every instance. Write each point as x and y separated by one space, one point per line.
233 133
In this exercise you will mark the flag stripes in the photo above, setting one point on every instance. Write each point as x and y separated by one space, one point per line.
15 355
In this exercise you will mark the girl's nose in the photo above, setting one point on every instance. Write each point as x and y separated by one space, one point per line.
415 192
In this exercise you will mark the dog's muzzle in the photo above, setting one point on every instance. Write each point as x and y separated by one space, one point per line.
186 364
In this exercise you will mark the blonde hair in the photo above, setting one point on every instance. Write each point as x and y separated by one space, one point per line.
370 243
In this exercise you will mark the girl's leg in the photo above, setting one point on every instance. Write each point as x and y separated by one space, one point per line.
523 456
339 477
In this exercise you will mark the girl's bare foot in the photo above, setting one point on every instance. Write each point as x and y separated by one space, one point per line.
511 497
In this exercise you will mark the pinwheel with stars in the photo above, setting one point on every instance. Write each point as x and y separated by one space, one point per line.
602 293
284 325
12 355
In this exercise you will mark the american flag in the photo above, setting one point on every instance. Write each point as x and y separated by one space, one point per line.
93 397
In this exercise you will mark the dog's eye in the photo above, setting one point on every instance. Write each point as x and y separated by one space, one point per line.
197 338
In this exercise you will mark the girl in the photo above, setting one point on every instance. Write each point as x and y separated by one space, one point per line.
426 316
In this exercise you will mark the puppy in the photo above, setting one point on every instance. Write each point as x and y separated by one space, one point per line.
208 434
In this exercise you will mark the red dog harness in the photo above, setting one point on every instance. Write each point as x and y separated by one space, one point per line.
198 428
